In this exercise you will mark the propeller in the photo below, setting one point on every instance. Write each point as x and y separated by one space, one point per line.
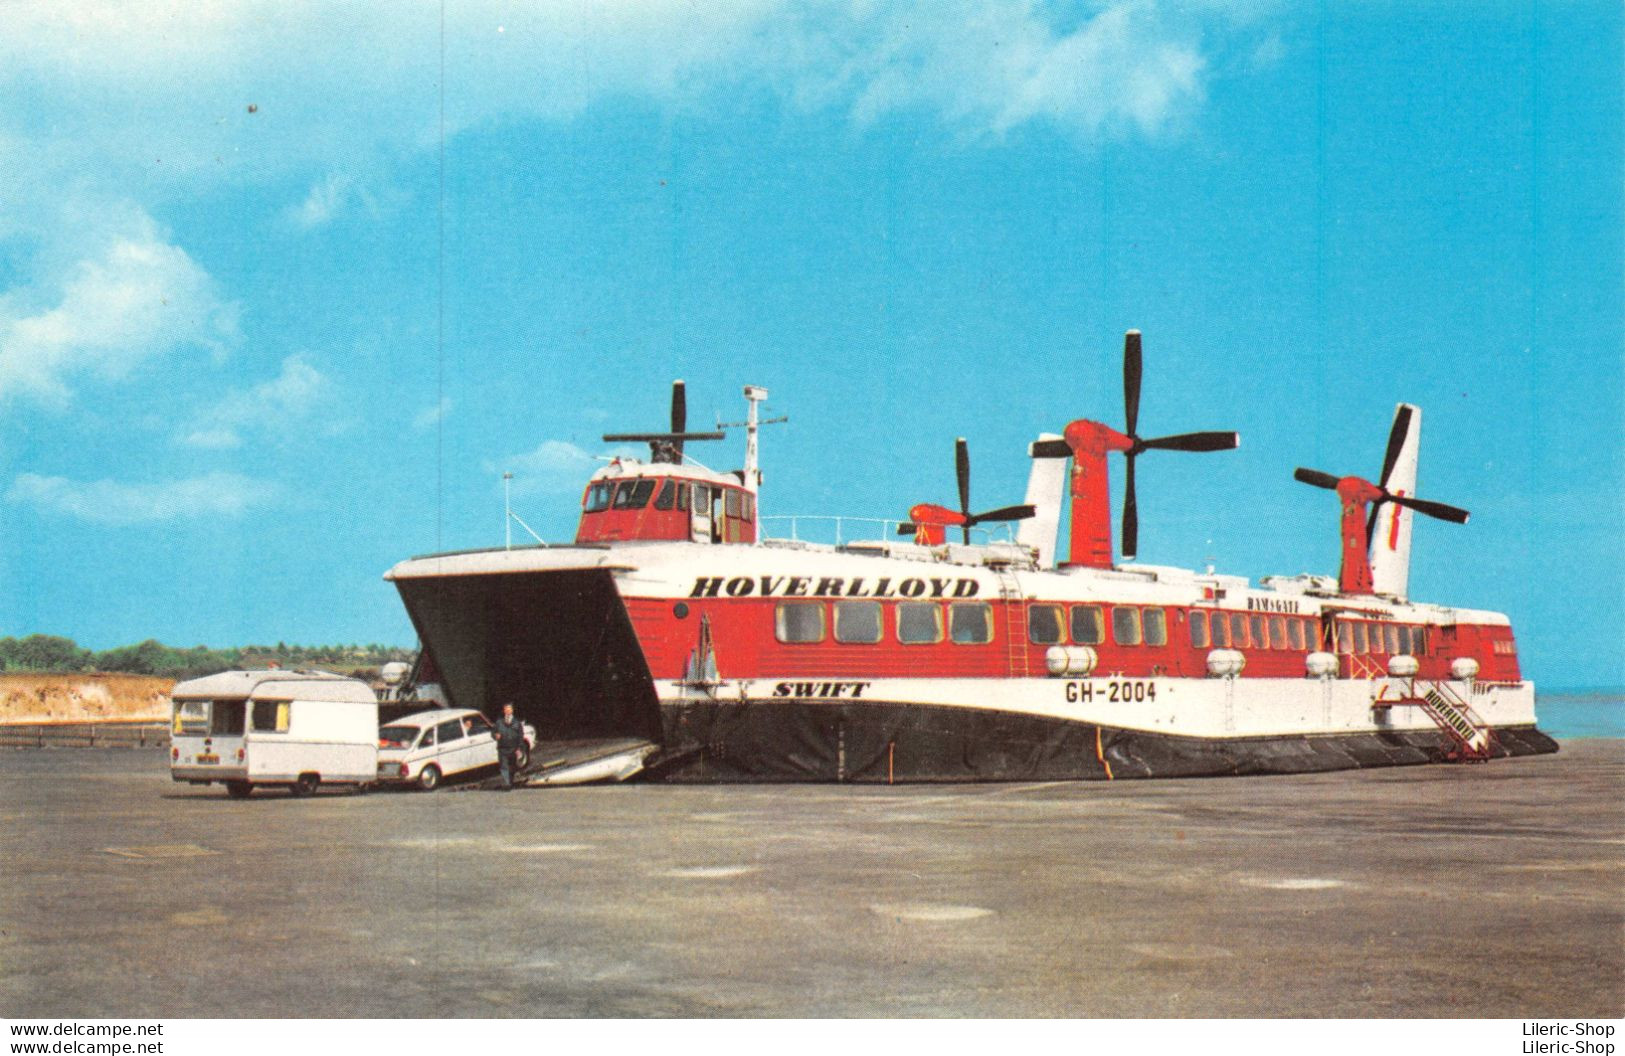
1210 441
931 514
668 447
1439 510
1396 441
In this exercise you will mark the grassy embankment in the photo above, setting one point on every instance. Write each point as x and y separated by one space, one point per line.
83 698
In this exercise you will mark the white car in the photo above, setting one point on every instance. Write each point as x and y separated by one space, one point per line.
431 746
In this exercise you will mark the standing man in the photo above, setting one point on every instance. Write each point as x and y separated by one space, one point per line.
510 738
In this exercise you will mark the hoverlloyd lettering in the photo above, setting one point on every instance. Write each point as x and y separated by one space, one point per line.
832 587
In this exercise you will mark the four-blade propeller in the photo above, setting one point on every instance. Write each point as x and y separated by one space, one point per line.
930 515
1377 493
667 447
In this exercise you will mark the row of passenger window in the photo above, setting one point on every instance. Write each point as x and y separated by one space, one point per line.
1394 639
634 494
863 622
1252 630
1131 625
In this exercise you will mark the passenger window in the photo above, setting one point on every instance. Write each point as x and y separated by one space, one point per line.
799 621
1277 632
1125 625
919 623
1391 633
1261 638
1405 639
1198 625
1345 638
598 497
1044 624
1238 630
450 730
428 738
667 496
1221 631
702 500
970 622
1087 626
857 621
1156 627
1359 645
731 502
1294 634
1419 641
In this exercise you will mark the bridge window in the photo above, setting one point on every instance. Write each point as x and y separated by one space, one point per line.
1277 632
798 621
1404 639
1238 630
919 623
682 497
598 497
1125 625
1345 637
1044 624
633 494
1198 625
731 501
1419 640
749 503
1359 643
1391 632
667 496
970 622
1087 626
1156 627
1294 634
857 621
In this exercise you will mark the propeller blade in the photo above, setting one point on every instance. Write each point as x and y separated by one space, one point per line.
1396 440
1195 442
1131 511
1049 449
1131 379
1003 513
1315 477
612 438
1454 514
962 471
679 417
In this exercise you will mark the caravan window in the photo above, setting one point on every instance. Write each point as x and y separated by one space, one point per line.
226 719
270 716
191 717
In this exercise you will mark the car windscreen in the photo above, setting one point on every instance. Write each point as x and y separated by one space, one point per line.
397 736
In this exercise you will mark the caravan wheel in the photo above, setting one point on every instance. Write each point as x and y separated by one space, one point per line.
306 784
239 789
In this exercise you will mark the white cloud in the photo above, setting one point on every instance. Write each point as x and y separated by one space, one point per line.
132 298
430 417
110 502
324 202
297 397
555 466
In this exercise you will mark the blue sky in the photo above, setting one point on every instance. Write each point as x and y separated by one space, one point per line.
276 312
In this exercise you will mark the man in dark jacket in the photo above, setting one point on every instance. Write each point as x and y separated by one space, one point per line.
510 738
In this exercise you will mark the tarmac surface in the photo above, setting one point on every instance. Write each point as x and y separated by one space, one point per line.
1435 891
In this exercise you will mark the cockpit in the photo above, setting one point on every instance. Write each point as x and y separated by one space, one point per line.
648 504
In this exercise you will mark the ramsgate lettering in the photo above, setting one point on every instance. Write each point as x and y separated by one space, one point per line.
833 587
1271 605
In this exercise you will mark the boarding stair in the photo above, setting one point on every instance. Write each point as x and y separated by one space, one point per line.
1472 740
1015 621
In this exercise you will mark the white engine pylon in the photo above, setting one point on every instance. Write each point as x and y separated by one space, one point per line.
1045 488
1391 536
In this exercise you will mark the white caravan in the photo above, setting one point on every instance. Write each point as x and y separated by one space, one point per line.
290 729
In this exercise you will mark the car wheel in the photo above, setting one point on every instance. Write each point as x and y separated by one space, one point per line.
239 789
306 785
521 758
429 780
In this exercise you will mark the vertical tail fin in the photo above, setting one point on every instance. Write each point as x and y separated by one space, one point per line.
1046 488
1391 523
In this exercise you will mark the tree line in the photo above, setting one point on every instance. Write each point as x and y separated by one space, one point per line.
48 653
